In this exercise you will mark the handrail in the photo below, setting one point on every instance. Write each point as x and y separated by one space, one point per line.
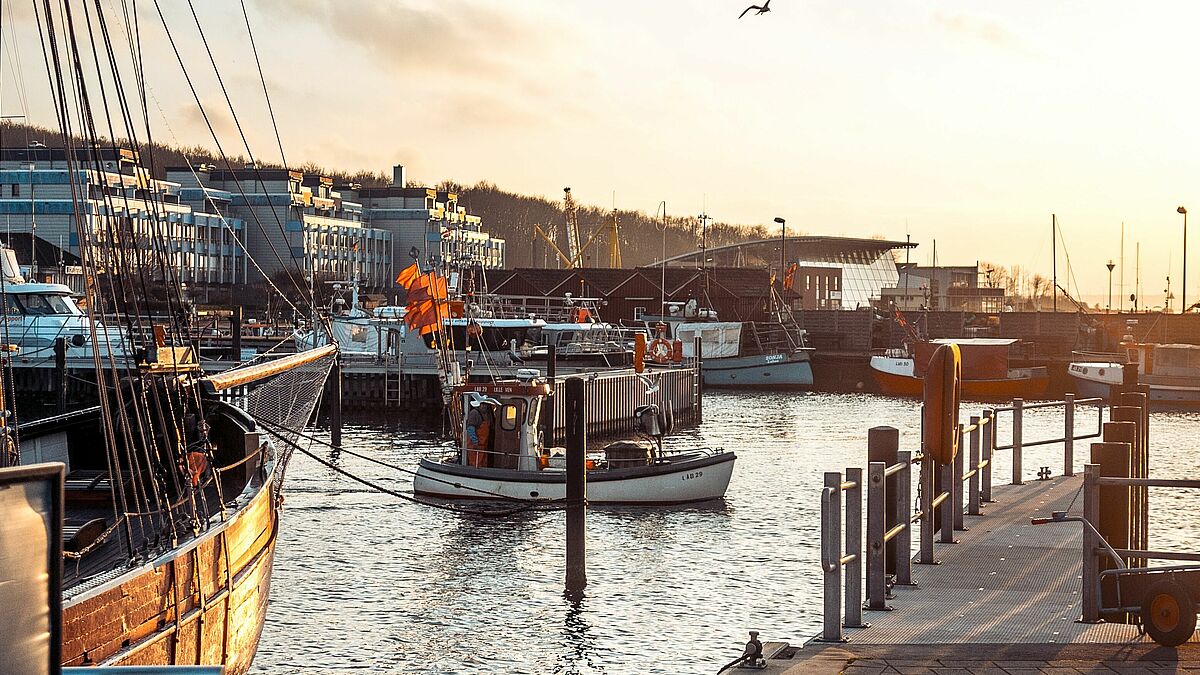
1149 482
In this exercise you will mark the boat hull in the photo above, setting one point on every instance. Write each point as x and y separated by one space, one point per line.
1103 379
682 481
895 383
764 370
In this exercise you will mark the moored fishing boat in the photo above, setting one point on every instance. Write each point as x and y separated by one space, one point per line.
1170 371
986 369
512 462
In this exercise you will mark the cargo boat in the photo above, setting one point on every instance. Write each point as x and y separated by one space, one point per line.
986 369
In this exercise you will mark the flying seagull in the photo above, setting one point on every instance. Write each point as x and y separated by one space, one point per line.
766 7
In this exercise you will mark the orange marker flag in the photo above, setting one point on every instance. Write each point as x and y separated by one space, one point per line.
408 275
428 287
790 277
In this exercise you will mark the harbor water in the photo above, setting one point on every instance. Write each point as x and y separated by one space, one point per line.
365 582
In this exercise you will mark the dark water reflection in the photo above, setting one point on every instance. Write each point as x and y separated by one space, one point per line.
365 582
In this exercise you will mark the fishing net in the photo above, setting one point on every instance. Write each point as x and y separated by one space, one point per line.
284 404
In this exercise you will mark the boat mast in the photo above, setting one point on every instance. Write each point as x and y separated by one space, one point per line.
1054 263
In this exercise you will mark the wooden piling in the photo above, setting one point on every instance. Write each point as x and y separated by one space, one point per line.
1114 459
1141 494
548 406
60 373
576 485
335 412
698 404
235 335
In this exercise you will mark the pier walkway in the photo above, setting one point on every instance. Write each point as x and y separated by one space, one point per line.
1005 600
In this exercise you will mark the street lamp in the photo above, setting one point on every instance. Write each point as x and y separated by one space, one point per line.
782 246
1110 267
1183 293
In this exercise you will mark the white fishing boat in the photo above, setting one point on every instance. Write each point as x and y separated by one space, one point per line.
1172 372
37 314
512 463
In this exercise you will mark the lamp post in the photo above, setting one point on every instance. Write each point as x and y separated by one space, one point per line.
782 246
1183 293
1110 267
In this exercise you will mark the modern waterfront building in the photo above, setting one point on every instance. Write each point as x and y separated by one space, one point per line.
942 288
428 223
294 222
121 203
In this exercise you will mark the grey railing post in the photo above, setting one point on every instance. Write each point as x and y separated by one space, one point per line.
876 527
927 533
904 515
973 486
854 546
1091 567
987 452
957 478
1018 405
946 517
1069 436
831 555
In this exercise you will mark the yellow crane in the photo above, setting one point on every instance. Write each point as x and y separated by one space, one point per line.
571 225
614 241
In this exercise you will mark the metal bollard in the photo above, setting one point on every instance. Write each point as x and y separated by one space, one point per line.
876 528
904 515
854 546
987 452
1091 563
957 487
947 510
1069 435
927 469
973 486
1018 405
831 556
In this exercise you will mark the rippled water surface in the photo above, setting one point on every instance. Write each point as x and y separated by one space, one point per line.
366 582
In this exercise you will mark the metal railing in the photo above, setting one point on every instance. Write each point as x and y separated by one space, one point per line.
1019 442
946 494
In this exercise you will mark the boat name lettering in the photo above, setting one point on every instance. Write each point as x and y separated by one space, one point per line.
775 358
693 474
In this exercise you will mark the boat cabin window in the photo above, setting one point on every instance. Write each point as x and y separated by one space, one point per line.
37 304
509 417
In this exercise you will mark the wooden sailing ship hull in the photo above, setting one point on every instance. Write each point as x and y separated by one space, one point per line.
201 604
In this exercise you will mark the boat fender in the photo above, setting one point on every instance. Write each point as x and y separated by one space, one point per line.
660 350
943 382
677 351
639 352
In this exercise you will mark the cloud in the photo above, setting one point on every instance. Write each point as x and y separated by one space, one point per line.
982 29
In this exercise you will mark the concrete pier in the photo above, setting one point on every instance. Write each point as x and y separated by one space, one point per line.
1005 599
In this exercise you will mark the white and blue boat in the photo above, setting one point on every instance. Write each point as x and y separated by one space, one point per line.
752 354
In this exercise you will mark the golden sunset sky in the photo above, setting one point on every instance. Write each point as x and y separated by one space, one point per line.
964 121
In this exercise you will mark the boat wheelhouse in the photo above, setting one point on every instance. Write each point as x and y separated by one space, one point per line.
987 371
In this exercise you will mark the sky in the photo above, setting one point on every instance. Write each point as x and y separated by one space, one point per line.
968 122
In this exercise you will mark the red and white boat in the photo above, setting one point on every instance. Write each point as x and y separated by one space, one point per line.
986 369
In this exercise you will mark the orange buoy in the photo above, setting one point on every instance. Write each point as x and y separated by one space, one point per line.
943 382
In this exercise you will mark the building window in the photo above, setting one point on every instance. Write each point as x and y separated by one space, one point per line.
16 190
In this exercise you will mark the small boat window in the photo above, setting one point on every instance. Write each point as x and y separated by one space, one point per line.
508 417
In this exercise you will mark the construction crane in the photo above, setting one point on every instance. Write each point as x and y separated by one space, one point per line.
563 258
571 225
614 242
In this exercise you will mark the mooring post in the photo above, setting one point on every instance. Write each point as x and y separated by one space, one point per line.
986 454
1113 457
927 525
335 413
699 403
1133 415
548 406
576 484
1139 400
956 478
877 501
831 556
1018 406
854 546
60 373
904 515
883 444
235 334
1069 435
946 512
1091 567
973 485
